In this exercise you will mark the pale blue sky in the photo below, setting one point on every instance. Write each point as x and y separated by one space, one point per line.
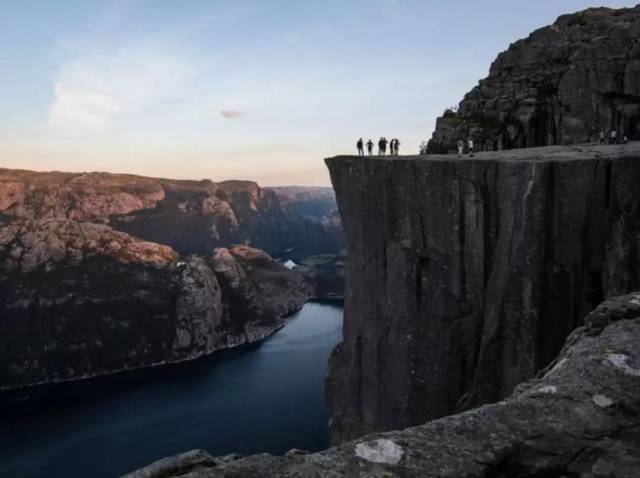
254 89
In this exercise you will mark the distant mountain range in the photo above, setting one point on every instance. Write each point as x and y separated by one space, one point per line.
104 272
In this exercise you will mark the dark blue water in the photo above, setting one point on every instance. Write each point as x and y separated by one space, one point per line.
267 397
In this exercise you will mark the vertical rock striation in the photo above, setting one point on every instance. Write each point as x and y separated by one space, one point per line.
464 277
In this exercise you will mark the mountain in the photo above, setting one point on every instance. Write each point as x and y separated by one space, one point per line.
106 272
315 204
563 84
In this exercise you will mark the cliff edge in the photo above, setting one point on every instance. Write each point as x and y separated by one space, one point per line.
464 277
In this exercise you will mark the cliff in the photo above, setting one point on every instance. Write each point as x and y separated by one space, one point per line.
562 85
79 300
579 419
80 295
189 216
464 277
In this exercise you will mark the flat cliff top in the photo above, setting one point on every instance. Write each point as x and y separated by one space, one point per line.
540 154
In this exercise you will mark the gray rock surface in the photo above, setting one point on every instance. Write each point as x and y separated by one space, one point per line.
464 277
580 418
561 85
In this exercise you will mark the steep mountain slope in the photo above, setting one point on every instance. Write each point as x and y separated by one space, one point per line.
102 272
563 84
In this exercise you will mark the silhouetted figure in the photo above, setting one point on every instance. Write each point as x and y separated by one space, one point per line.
601 135
384 146
380 147
392 147
613 137
396 146
360 145
470 147
370 147
460 147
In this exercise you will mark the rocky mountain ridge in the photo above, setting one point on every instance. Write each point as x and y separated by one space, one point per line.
563 84
101 273
189 216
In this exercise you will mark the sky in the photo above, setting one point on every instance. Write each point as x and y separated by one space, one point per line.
235 89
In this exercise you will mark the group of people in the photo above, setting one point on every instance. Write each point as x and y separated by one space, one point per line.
470 147
394 147
613 138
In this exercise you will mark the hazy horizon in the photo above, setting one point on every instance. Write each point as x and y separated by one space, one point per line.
240 90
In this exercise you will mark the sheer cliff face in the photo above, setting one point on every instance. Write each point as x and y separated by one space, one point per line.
563 84
79 298
464 277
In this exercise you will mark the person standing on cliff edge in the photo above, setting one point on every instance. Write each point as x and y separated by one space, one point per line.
470 147
360 145
460 147
370 147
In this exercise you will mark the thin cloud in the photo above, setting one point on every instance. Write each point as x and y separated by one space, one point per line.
231 114
99 89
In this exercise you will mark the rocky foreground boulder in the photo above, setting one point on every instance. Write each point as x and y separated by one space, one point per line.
464 277
580 418
561 85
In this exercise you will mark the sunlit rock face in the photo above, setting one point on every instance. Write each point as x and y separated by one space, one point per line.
464 277
189 216
80 296
563 84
